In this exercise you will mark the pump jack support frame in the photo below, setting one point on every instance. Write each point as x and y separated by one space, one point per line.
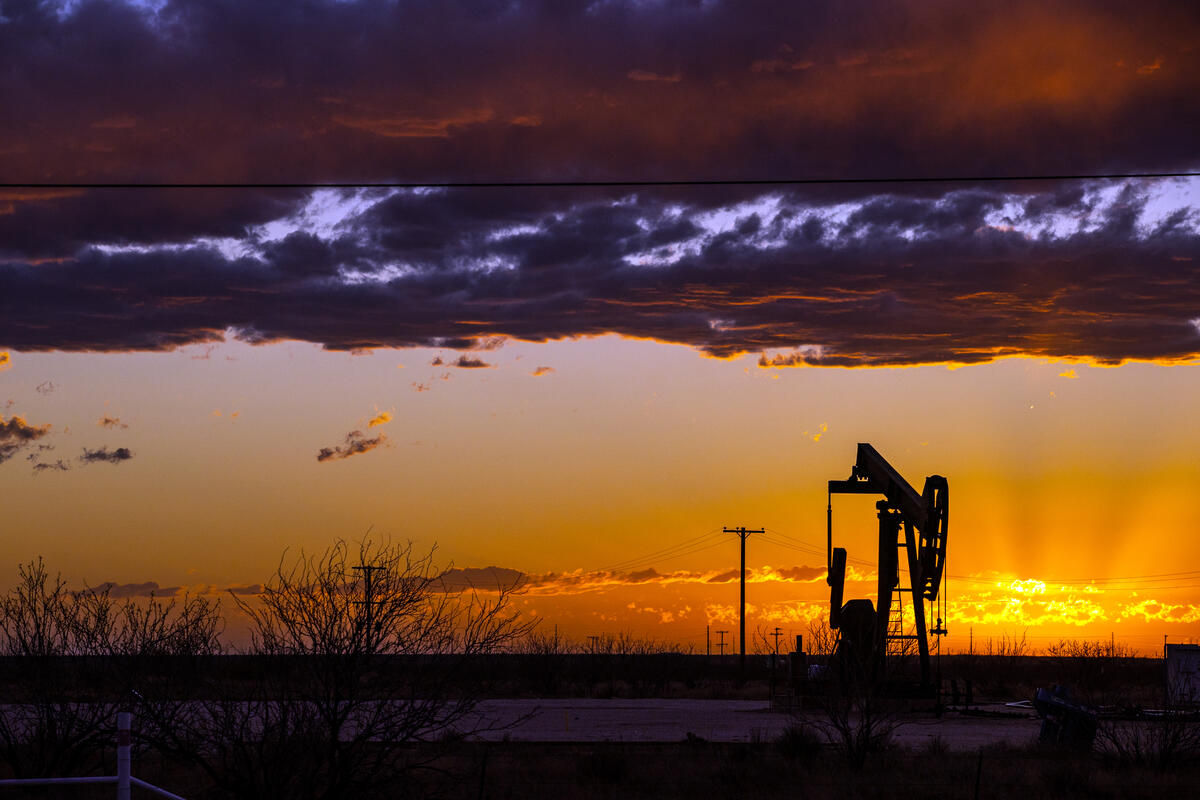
924 519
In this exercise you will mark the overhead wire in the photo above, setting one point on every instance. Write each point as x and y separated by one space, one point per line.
1186 579
676 550
583 183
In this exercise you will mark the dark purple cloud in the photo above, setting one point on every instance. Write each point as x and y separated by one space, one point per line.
1096 271
470 362
220 90
356 442
46 225
217 90
493 578
104 455
459 579
121 591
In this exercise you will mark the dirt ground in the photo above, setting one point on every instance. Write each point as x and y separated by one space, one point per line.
625 720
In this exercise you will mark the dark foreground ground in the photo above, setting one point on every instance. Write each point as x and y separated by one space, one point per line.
768 769
686 727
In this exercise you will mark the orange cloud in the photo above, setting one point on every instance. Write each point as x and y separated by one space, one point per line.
647 76
382 418
1157 611
403 127
5 360
16 434
780 65
582 581
540 371
1150 69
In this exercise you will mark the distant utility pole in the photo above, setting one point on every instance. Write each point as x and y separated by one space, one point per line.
742 534
775 635
368 602
721 642
708 640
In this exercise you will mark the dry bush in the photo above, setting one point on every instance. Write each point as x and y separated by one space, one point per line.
821 638
1161 743
75 656
800 742
856 715
345 673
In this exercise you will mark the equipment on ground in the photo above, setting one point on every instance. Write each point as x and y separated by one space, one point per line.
869 633
1065 722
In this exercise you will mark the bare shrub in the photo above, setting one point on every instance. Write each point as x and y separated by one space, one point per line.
346 666
74 656
799 742
1162 743
857 717
1091 668
821 638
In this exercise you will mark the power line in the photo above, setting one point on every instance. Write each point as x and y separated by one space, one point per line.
801 546
568 184
670 557
677 545
669 552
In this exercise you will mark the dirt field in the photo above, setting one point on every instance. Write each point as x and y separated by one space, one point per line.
625 720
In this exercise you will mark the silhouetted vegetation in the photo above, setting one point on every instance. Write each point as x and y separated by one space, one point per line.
72 658
345 690
327 714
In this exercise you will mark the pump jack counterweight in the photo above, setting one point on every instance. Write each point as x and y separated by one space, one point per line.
924 519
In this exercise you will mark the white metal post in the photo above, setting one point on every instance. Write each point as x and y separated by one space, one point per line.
123 757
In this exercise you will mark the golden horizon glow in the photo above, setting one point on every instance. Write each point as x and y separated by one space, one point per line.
621 448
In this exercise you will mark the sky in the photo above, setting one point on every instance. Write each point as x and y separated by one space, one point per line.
579 387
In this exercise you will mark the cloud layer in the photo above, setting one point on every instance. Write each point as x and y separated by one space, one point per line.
581 581
836 276
211 90
1102 272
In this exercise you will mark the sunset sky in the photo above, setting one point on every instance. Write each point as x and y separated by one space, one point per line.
579 386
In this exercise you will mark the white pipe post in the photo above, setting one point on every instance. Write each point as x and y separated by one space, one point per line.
123 757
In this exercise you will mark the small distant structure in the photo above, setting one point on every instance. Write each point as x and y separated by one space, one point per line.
1183 674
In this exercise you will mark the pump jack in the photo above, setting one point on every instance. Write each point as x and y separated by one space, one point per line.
924 519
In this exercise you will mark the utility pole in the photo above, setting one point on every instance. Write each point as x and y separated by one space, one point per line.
742 534
721 642
368 602
775 635
708 640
